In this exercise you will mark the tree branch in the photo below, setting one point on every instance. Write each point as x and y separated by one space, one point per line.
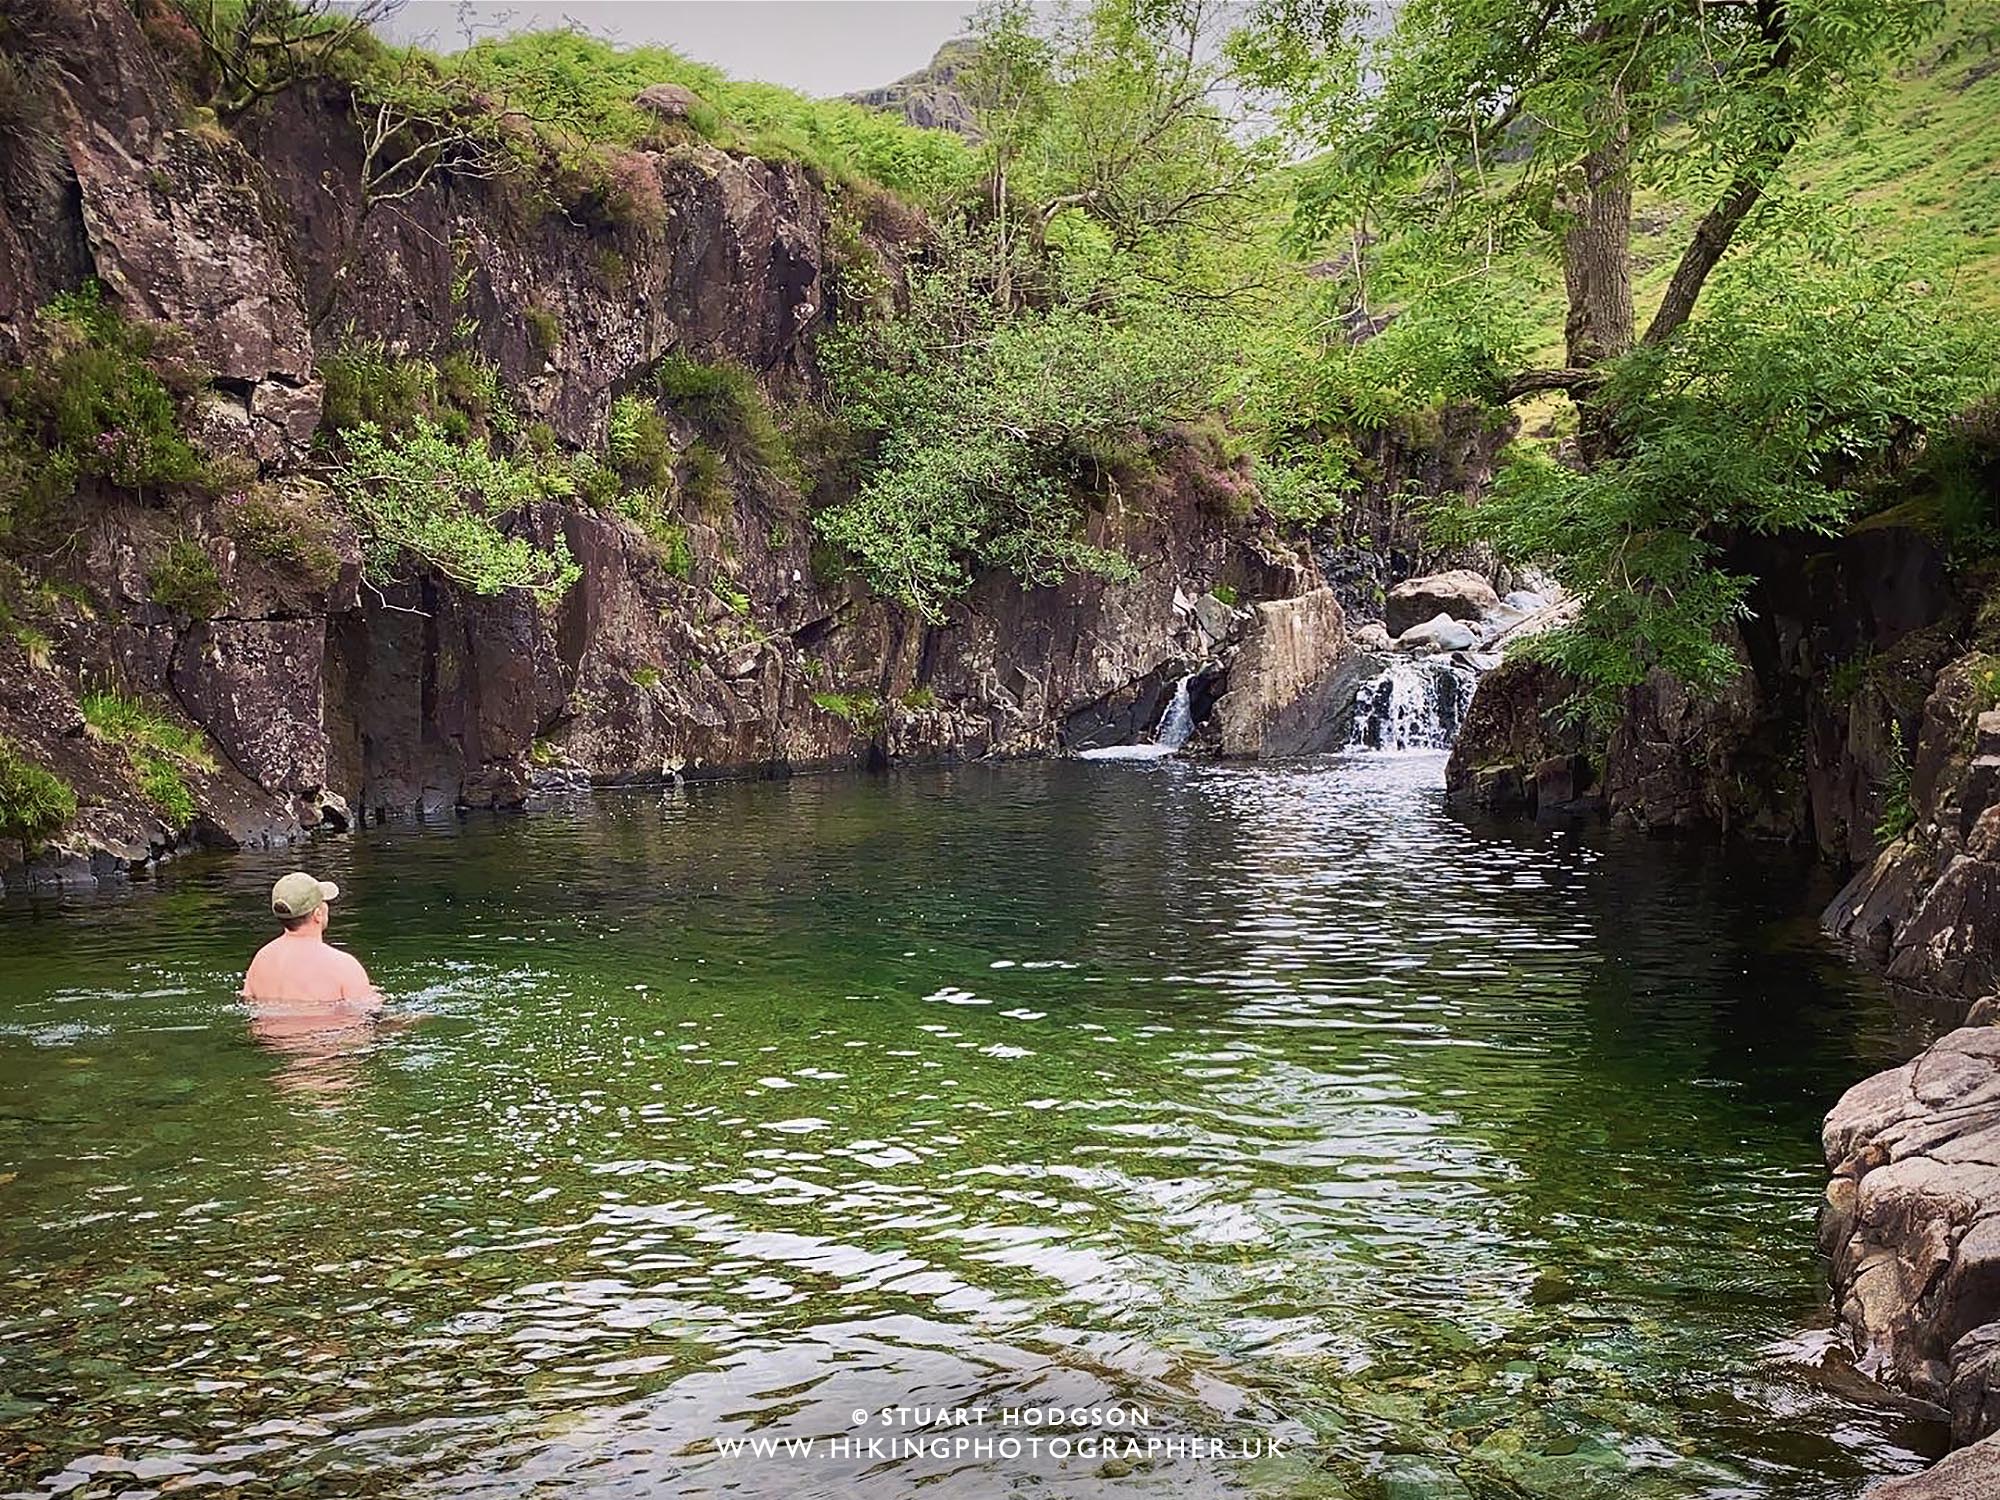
1717 230
1532 382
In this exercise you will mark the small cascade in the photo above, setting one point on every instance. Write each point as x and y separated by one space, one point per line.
1417 703
1176 724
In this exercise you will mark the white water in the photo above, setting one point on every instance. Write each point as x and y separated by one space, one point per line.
1176 724
1417 703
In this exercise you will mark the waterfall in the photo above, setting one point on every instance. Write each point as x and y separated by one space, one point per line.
1176 724
1416 703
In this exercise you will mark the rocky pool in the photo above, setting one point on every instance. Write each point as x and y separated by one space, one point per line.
1202 1130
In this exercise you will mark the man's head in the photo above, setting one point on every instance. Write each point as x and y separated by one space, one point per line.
299 901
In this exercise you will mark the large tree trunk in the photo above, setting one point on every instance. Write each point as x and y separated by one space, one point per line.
1597 268
1597 259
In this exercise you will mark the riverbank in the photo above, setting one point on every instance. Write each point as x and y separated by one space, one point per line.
1911 1233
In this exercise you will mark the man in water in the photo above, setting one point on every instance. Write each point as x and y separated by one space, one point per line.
300 981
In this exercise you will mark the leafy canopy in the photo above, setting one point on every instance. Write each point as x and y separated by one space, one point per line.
1803 389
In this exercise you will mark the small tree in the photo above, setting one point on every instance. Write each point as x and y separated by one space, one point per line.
418 126
257 48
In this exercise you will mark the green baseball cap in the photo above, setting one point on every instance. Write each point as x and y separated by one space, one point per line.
300 895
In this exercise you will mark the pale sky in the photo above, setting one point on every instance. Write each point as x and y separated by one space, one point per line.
818 47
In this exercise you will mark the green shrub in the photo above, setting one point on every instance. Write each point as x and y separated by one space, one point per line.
737 601
1845 681
725 400
705 482
96 396
368 384
613 271
671 542
425 498
863 712
646 678
159 750
1899 809
988 430
184 579
285 528
365 383
647 510
34 802
473 386
585 477
639 445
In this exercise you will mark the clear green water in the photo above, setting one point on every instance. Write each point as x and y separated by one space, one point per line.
1266 1103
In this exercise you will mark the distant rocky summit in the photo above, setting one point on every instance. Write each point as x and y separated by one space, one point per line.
930 97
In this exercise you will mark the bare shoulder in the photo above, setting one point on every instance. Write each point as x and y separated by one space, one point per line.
351 970
259 961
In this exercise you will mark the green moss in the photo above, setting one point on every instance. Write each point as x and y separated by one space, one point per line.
35 803
1225 593
545 330
737 601
159 750
184 579
920 698
646 678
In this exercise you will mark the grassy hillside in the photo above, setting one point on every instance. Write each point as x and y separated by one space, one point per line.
1923 171
586 86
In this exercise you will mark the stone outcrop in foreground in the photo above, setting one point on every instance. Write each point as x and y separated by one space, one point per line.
1911 1230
